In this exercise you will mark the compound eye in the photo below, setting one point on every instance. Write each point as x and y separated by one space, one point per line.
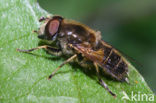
53 26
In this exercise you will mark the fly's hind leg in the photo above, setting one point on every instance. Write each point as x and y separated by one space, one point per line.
102 82
51 50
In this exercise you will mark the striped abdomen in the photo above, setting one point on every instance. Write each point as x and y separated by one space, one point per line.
106 57
114 64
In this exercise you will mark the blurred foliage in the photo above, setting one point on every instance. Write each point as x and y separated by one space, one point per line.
129 26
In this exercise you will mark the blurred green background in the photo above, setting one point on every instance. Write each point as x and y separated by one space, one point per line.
128 25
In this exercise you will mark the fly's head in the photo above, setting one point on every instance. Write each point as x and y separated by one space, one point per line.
50 28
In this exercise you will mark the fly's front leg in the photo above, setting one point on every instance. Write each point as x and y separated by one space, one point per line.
102 82
51 50
54 51
44 18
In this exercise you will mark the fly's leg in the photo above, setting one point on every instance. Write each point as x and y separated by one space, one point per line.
52 50
65 62
44 18
102 82
32 49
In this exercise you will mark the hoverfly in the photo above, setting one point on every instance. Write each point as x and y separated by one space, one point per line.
82 45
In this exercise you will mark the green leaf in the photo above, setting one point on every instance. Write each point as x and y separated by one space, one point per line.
23 77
